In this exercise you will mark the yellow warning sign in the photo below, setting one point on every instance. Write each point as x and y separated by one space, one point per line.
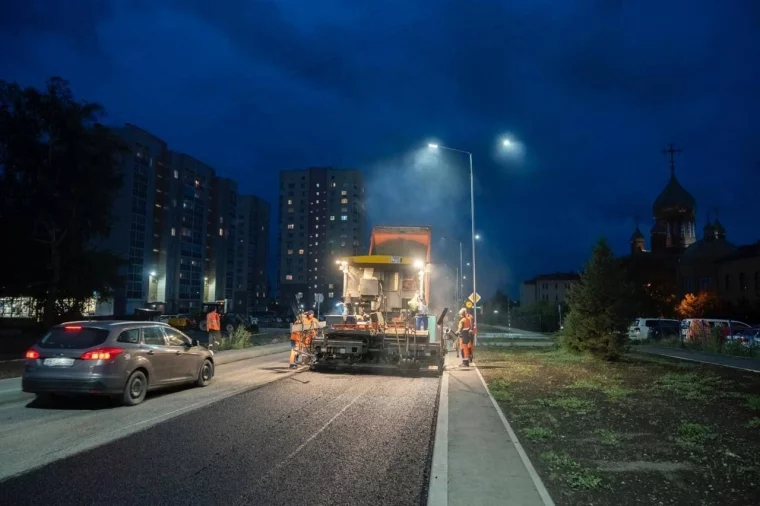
468 304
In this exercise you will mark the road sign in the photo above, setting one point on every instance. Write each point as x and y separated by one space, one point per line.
319 298
474 298
468 304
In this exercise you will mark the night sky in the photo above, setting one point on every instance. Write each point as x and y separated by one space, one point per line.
592 90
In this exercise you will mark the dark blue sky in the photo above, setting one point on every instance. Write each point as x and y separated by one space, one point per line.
593 89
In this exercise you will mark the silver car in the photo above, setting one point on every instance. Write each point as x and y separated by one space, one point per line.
115 358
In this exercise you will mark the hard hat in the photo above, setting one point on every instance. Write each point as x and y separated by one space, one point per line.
462 311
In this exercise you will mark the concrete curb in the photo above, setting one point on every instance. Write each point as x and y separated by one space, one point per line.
523 456
438 486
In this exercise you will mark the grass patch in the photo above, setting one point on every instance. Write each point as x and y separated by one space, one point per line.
753 402
538 434
608 437
691 386
617 392
500 390
753 424
693 436
575 405
572 472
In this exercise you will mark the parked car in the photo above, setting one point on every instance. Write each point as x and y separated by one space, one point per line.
123 359
728 326
653 328
748 338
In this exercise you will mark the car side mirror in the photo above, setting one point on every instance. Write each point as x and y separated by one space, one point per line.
194 343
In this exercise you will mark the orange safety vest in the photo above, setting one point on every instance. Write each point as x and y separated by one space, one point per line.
464 324
213 321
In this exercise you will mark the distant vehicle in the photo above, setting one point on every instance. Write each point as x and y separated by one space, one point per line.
122 359
731 326
654 329
749 338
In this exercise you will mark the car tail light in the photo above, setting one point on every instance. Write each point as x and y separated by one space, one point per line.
73 327
102 354
33 354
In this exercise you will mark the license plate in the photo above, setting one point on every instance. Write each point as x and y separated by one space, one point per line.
60 362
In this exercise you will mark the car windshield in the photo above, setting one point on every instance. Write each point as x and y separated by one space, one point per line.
73 337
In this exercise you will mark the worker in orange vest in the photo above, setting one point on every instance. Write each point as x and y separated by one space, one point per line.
214 327
473 333
464 331
295 338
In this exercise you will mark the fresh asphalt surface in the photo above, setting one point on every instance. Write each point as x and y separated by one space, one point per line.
310 438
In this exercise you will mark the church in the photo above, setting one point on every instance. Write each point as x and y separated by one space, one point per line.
710 263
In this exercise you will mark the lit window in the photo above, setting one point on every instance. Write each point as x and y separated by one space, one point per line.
317 201
333 185
300 252
291 226
289 277
290 252
332 218
330 286
316 226
330 295
317 193
174 231
176 174
315 278
317 218
221 219
221 232
317 185
316 260
344 192
344 218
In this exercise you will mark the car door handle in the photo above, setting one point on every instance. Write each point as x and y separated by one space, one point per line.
150 352
178 352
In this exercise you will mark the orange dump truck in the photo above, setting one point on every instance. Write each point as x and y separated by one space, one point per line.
383 319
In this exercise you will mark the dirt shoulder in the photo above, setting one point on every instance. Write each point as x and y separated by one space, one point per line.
645 430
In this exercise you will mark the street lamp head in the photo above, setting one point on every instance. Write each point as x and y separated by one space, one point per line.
153 274
507 143
419 264
432 145
477 236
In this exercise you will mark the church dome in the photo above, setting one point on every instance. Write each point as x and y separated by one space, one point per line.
637 235
674 198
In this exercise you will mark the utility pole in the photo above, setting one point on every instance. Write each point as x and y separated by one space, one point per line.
461 273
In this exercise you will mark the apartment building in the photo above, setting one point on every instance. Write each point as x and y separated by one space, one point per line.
547 288
251 285
322 219
175 222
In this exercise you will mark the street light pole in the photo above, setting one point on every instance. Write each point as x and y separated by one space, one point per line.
472 216
461 270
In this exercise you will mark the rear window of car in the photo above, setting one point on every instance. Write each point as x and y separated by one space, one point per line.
73 337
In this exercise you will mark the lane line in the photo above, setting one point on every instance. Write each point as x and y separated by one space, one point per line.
438 487
523 456
244 498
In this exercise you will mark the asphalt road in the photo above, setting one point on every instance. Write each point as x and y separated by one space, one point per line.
311 438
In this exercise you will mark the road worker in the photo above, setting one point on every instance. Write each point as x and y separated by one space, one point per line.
464 328
214 327
295 337
473 333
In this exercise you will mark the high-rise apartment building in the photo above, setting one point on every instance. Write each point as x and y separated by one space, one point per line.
251 286
322 219
175 223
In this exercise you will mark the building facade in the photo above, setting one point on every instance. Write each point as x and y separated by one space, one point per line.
175 223
551 288
322 218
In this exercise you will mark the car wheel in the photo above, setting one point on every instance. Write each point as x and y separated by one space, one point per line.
229 327
136 389
205 374
202 325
